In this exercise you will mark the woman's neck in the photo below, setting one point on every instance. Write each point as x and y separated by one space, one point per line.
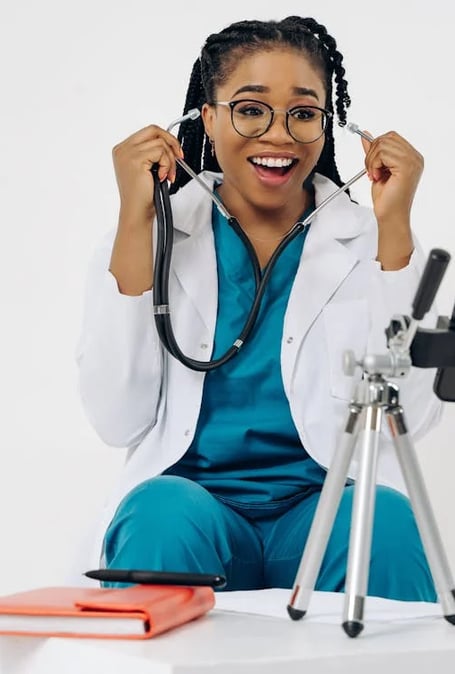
265 227
263 223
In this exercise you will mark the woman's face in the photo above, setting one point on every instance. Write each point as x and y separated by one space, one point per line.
284 79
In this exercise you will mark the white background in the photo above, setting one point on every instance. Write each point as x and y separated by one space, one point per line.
78 77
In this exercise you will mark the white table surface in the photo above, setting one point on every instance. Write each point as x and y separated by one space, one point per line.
236 642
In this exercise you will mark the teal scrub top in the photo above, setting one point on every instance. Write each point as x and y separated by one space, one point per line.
246 449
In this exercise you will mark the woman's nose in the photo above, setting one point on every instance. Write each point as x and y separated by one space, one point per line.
278 128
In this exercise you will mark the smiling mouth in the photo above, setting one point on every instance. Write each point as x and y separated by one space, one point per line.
273 166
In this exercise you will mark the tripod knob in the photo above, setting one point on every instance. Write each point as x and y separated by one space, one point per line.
349 363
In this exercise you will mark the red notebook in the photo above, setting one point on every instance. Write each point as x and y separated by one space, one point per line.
136 612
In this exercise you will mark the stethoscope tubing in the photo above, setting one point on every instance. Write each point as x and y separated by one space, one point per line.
164 245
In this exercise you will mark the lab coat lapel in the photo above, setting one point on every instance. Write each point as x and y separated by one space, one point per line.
323 268
194 258
326 261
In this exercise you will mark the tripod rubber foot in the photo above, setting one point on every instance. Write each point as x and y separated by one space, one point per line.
450 619
352 628
295 613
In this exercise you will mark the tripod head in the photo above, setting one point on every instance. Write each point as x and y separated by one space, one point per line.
410 345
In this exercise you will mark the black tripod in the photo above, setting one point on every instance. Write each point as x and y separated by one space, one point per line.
373 398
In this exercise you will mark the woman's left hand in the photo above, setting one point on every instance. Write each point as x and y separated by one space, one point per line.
394 167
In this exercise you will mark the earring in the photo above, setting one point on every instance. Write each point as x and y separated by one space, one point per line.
212 149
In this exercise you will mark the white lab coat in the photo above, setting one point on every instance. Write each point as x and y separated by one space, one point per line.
137 396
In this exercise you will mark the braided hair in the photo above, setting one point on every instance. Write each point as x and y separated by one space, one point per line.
218 60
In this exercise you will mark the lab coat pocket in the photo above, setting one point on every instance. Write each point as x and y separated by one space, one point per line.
346 326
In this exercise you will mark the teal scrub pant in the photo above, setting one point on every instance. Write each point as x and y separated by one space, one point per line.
170 523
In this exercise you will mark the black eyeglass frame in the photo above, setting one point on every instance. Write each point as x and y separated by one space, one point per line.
231 105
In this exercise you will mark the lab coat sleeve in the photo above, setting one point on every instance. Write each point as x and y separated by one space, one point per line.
119 356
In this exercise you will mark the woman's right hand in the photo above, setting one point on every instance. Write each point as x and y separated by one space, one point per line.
132 260
134 157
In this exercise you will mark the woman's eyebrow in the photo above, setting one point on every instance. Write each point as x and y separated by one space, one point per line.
261 89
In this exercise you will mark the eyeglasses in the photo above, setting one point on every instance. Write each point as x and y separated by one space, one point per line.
251 119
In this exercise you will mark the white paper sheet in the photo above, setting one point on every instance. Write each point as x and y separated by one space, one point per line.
324 607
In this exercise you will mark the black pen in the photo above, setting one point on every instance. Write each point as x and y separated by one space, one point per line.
156 577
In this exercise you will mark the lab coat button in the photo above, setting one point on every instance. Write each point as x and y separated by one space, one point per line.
290 340
187 432
204 346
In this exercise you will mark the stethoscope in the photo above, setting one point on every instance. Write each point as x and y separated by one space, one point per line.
164 244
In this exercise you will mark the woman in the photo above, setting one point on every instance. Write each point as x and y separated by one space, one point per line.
225 468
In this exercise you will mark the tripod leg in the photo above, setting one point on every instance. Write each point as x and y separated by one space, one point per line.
324 518
362 524
425 519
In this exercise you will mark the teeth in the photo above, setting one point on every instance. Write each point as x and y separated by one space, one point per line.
272 162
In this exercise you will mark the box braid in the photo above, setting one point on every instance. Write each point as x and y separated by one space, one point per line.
219 57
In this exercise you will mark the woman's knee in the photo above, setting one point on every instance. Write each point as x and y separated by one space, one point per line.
165 502
165 509
395 532
394 522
